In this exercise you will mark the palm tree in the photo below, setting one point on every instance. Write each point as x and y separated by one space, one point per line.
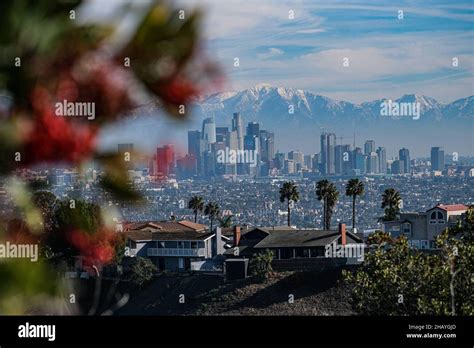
391 202
289 192
212 210
196 203
225 221
327 192
354 188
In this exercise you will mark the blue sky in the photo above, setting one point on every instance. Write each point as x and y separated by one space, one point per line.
388 57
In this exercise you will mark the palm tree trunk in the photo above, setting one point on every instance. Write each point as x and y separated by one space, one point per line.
353 212
195 216
324 214
289 213
211 223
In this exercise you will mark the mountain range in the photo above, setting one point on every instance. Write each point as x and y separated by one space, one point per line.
279 105
447 125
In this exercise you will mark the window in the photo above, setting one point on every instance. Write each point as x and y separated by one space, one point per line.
406 227
194 245
180 245
133 244
172 245
161 245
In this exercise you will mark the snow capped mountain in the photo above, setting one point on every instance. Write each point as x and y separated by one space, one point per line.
266 103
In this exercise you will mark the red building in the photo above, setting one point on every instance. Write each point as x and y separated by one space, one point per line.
165 160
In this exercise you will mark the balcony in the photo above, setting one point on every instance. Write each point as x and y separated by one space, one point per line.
176 252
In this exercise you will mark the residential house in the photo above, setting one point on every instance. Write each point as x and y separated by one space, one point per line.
422 228
173 245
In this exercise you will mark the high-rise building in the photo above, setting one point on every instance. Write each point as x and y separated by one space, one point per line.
437 158
338 156
209 131
372 163
404 156
222 134
369 147
165 160
237 125
253 128
346 158
297 157
328 143
267 146
358 160
194 139
382 160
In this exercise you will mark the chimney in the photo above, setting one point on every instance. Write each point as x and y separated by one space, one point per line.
237 235
342 231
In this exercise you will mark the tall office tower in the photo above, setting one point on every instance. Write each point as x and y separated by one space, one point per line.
267 146
280 158
369 147
209 131
222 134
308 161
316 162
331 156
232 141
194 140
437 158
251 143
346 158
338 158
328 164
358 161
372 163
398 167
165 160
382 160
253 128
404 156
238 126
290 167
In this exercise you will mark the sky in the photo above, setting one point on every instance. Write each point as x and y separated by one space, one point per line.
387 56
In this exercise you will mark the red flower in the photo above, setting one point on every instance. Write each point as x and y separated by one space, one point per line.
52 138
97 248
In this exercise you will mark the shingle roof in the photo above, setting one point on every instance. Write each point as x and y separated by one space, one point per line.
303 238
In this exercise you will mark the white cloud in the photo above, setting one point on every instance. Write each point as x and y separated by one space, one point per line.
272 52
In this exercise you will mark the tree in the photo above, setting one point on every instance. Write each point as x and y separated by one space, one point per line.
399 280
261 265
225 221
196 203
354 188
212 210
141 271
327 192
391 202
289 192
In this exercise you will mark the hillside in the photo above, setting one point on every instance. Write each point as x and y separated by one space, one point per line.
315 293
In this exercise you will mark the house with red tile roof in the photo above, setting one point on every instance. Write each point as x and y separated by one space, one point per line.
422 228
